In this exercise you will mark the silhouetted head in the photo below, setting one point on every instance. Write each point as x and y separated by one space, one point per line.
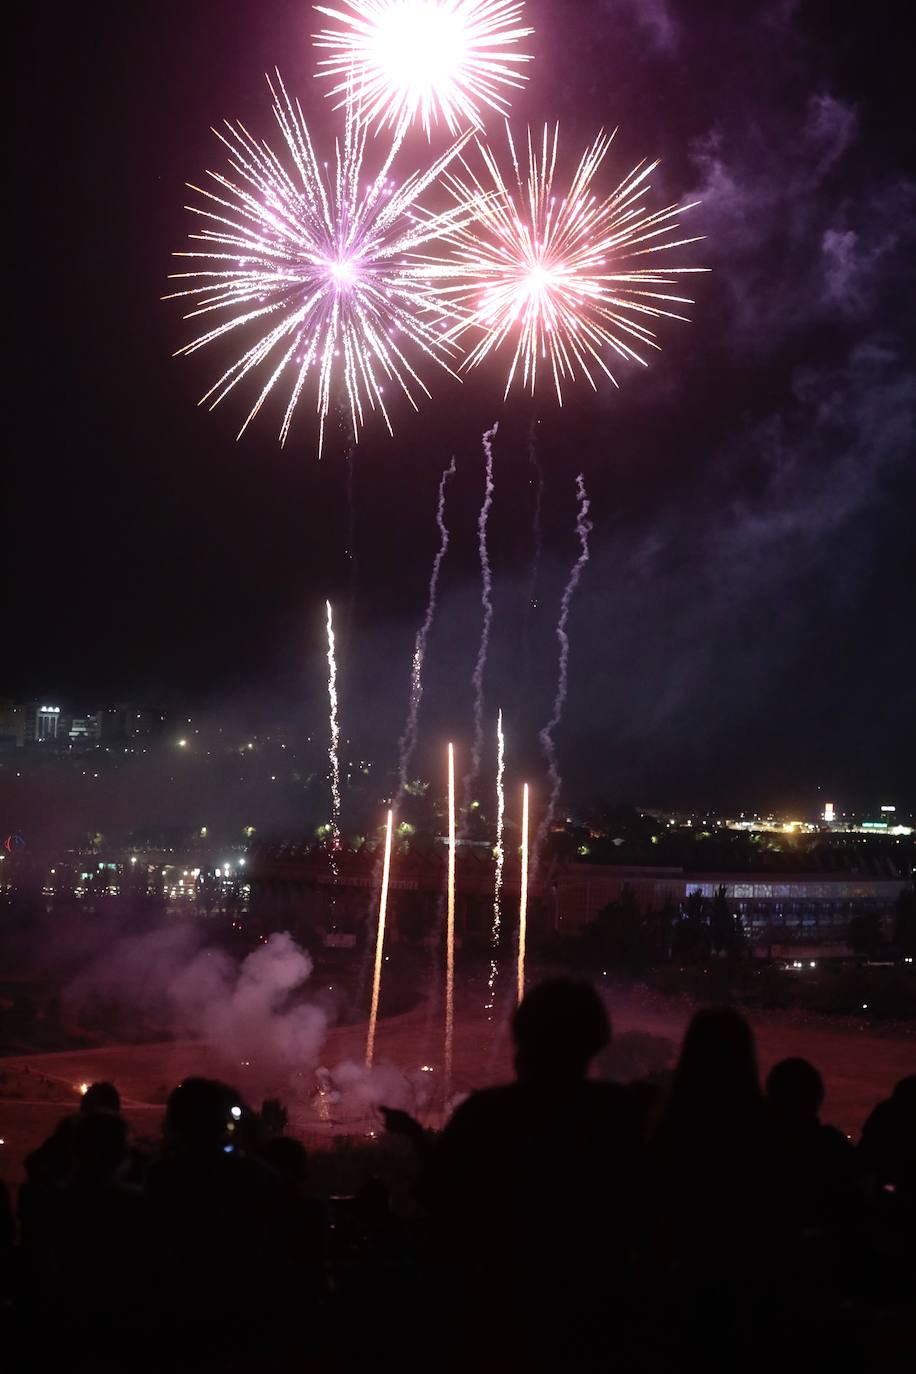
101 1097
288 1156
100 1144
558 1029
715 1080
794 1090
904 1094
199 1113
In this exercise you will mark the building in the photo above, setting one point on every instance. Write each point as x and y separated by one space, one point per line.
86 729
814 903
296 885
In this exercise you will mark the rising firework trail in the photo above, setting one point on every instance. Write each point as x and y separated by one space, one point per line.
500 856
422 61
316 269
486 601
408 741
334 735
523 900
583 530
561 275
450 930
379 947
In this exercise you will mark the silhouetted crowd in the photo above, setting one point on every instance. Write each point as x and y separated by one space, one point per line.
556 1223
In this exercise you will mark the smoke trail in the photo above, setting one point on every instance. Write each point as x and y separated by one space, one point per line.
351 536
379 946
408 741
583 530
486 591
530 599
500 855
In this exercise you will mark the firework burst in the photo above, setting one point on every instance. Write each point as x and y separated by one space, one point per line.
569 280
318 267
424 60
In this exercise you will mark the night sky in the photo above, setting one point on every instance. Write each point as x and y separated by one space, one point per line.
744 632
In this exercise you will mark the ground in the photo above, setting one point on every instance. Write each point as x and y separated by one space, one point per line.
860 1066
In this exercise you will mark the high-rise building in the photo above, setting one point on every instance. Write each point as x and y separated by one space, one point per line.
86 729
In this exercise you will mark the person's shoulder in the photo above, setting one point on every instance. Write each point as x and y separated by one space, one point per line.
486 1104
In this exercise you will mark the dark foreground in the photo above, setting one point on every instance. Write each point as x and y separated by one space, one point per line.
558 1222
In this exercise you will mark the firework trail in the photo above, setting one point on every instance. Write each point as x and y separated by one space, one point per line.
583 530
530 602
450 930
500 856
486 601
334 731
408 741
523 899
379 946
318 267
423 60
556 273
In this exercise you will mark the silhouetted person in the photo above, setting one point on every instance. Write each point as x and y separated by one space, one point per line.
99 1245
711 1156
887 1149
813 1162
534 1186
100 1097
226 1241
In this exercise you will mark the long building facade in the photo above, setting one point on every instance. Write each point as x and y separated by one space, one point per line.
335 897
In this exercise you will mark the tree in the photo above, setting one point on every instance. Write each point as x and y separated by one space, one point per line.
691 933
726 932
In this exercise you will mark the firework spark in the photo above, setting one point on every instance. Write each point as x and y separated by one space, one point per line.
424 60
408 741
379 946
317 266
450 928
583 530
500 856
523 898
334 735
558 275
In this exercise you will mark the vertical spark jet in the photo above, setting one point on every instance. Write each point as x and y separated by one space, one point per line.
523 898
379 946
583 530
450 929
500 856
334 761
334 743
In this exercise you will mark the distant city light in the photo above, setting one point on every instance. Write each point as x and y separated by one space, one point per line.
182 744
829 812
